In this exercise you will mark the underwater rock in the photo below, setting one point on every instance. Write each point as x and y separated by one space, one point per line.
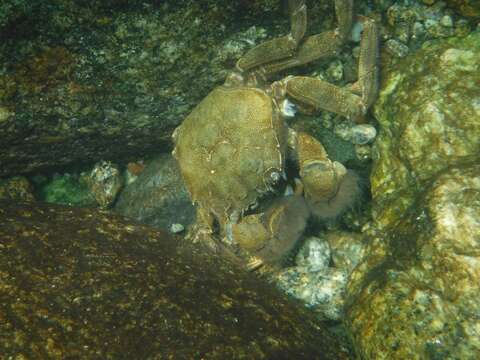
357 134
158 196
410 23
415 294
419 298
323 266
469 8
82 283
428 112
16 188
314 254
105 182
322 291
65 189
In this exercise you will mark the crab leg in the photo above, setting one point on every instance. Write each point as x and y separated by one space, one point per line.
343 101
281 47
367 84
319 46
320 176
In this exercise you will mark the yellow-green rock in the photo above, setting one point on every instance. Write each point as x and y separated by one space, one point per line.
416 294
16 188
428 112
420 301
470 8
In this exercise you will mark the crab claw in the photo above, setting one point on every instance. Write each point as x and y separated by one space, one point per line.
271 235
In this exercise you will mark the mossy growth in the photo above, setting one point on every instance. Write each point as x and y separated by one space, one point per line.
65 189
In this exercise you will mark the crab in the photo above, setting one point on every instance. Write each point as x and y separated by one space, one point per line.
233 147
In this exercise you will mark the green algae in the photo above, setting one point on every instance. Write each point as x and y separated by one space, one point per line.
67 190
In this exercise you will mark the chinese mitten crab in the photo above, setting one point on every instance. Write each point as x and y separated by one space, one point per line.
233 146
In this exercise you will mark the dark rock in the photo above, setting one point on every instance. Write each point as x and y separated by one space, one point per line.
158 196
17 188
88 81
81 283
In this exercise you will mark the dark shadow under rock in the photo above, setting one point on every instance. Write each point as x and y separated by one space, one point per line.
82 283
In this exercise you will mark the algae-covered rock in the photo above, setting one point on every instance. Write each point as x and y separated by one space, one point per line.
80 283
16 188
65 189
105 182
428 112
158 196
86 81
470 8
420 301
415 294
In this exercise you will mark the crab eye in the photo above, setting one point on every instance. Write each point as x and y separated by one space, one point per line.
288 108
275 177
272 177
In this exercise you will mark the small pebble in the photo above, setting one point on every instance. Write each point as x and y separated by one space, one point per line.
396 48
364 152
176 228
363 134
315 254
446 21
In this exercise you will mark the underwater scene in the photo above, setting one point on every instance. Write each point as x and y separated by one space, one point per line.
250 179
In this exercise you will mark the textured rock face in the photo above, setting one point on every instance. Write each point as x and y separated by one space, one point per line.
469 8
428 111
421 301
416 294
78 283
158 196
16 189
107 80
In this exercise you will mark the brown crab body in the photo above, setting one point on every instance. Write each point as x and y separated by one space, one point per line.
231 149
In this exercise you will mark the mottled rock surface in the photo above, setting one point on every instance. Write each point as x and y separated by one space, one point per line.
469 8
158 197
323 266
17 188
420 300
416 294
79 283
108 80
428 112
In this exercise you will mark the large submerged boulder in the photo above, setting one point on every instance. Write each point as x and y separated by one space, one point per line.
107 80
428 112
416 294
420 299
82 283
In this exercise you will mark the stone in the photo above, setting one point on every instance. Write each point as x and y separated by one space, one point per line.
83 283
428 112
314 254
469 8
105 182
109 80
414 295
16 188
158 196
419 300
323 266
